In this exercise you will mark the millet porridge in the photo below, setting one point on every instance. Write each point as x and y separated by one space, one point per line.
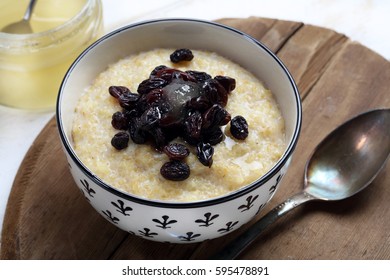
136 169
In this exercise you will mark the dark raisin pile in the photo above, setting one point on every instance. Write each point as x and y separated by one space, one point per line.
172 103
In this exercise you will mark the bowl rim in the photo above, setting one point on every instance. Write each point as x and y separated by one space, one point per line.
191 204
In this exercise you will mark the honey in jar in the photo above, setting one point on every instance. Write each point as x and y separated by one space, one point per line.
32 66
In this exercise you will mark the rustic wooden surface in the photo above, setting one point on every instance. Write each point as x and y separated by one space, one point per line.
48 218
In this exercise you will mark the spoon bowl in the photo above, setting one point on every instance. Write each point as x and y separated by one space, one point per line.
23 26
343 164
349 158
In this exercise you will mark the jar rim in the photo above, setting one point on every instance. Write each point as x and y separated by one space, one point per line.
45 33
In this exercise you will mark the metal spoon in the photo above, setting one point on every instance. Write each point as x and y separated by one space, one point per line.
343 164
23 26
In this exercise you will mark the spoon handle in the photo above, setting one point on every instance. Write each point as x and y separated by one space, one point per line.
234 248
29 10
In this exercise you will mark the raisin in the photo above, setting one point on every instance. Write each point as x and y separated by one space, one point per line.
228 83
120 140
215 92
155 96
200 103
181 55
205 153
214 136
175 170
117 91
239 128
164 106
119 121
183 76
150 118
142 104
136 133
193 127
128 101
210 89
159 138
130 114
176 151
166 73
149 84
215 116
156 70
199 76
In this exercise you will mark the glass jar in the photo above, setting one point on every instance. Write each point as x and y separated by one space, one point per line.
32 66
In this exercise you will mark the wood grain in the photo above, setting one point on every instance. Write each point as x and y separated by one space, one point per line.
47 217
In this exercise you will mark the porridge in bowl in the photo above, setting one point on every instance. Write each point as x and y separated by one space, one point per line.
136 168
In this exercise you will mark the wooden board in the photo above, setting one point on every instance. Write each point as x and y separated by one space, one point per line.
48 218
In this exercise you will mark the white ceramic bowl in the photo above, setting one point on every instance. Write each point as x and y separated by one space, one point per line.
166 221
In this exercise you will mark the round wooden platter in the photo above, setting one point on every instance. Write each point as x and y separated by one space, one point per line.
48 218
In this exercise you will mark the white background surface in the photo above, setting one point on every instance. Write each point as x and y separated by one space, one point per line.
365 21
